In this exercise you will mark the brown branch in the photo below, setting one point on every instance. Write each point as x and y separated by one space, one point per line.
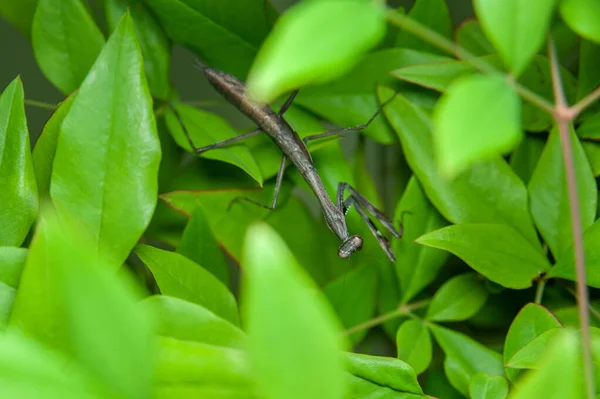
562 116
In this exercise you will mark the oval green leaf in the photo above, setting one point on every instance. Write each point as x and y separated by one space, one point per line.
549 197
583 16
530 356
188 365
12 261
353 296
483 386
468 356
470 37
206 128
45 147
384 371
414 344
156 49
19 194
496 251
435 15
468 198
71 301
314 42
105 170
65 41
179 277
516 28
298 328
565 267
30 370
188 321
19 14
531 322
416 265
459 298
226 34
525 157
468 130
559 376
198 244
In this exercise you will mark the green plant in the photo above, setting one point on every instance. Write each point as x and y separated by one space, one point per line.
113 278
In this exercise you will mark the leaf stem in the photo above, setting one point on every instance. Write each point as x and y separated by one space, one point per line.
440 41
401 310
585 102
539 292
40 104
562 117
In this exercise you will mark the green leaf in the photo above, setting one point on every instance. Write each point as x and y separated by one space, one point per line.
470 37
583 17
353 296
226 34
496 251
180 277
588 75
351 99
360 388
529 356
384 371
198 366
298 328
198 244
156 49
106 164
188 321
590 127
74 302
19 194
457 374
459 298
12 261
65 41
525 157
435 15
414 344
537 77
19 14
45 147
530 323
416 265
470 198
468 130
30 370
516 28
206 128
314 42
559 377
565 267
485 387
230 225
466 356
549 197
592 151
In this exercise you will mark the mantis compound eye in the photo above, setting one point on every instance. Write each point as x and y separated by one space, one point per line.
352 244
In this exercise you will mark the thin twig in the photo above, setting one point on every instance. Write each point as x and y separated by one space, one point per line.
582 290
40 104
585 102
440 41
402 310
539 292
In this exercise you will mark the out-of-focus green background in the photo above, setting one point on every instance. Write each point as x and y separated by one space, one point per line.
18 59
